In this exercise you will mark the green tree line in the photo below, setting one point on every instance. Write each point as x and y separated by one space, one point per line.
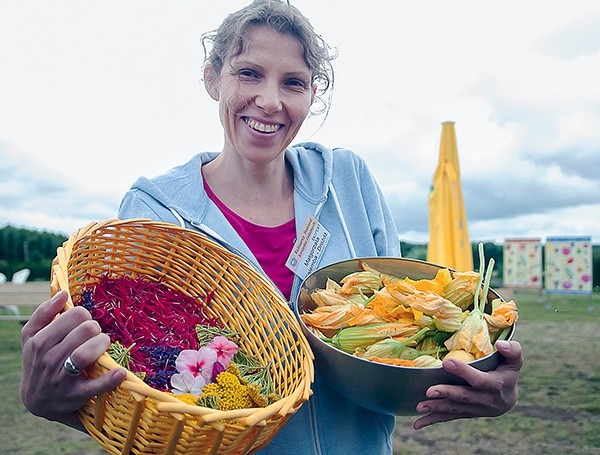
35 250
28 249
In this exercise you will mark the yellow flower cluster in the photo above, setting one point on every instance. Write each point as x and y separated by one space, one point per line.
185 397
231 392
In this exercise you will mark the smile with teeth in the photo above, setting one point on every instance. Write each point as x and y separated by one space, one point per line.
262 127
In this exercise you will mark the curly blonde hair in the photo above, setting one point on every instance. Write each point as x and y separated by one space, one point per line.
283 17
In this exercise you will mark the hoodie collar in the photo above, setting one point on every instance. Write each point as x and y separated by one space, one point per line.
312 165
181 189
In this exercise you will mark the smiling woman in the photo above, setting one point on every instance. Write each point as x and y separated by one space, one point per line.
266 68
264 96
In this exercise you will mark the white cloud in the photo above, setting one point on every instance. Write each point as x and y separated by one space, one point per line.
97 94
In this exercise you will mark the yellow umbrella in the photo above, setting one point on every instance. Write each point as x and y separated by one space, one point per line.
449 243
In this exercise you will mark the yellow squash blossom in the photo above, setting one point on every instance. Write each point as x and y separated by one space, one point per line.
331 295
325 297
461 289
446 315
360 283
335 317
392 348
396 362
435 285
424 320
427 361
351 338
504 314
390 309
473 335
332 285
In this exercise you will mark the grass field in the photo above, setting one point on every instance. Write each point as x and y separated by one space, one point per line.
558 411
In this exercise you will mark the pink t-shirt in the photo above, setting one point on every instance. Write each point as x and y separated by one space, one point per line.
270 245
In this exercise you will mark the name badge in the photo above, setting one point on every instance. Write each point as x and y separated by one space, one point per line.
308 248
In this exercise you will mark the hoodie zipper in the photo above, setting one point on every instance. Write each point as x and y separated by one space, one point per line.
313 425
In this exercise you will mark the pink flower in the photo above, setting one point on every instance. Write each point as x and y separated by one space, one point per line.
186 382
224 348
199 363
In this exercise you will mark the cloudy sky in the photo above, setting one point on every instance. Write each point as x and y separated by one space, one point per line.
94 94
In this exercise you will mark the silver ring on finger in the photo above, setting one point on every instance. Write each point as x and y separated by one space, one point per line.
70 367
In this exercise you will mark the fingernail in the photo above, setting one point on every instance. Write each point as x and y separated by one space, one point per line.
423 409
120 374
433 394
450 365
57 296
503 344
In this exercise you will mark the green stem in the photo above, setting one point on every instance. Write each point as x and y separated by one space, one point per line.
477 297
502 334
486 285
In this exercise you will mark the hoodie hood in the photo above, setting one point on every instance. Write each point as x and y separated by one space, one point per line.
178 196
182 188
312 164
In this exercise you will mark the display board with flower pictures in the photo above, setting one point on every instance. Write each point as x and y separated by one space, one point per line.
522 263
568 265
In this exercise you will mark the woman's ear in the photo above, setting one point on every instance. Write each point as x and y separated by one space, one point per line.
211 82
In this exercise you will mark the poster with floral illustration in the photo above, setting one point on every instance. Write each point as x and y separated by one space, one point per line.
522 263
568 265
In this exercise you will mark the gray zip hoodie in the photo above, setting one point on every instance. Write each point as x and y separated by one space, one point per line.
336 187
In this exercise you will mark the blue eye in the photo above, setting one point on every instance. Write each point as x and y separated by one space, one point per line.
246 73
296 84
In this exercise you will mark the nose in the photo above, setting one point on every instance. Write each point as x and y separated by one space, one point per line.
268 98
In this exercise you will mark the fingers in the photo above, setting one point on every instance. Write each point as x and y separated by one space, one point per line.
103 384
455 402
44 314
505 375
433 418
471 375
487 394
46 388
47 349
89 351
512 354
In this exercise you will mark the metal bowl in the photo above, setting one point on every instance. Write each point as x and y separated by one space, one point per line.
383 388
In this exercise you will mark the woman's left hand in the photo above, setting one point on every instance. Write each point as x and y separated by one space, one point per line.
489 394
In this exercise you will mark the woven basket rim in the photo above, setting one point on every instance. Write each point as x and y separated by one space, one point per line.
283 406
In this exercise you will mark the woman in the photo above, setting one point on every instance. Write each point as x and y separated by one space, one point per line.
266 68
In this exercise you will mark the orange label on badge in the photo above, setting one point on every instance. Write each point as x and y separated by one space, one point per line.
308 248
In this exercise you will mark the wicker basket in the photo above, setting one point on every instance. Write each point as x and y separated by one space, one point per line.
135 418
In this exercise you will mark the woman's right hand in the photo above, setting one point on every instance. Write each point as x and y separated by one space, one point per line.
47 390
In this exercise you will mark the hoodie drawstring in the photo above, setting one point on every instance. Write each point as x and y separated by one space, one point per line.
342 220
178 216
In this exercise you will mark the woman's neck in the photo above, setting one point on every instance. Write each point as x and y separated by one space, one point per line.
263 195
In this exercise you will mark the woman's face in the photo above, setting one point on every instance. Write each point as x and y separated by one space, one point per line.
264 95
